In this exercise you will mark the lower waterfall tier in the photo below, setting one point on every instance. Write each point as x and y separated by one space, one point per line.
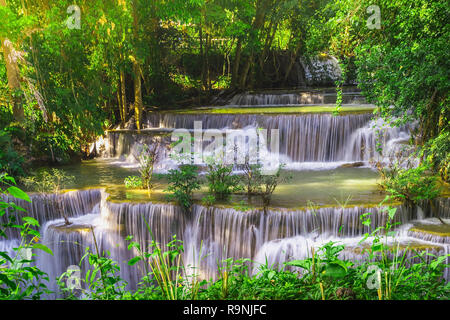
211 234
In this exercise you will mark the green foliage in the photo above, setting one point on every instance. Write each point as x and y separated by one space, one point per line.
409 185
166 269
270 182
18 279
147 161
252 178
183 181
103 281
401 67
208 200
221 181
10 160
263 185
48 180
438 151
133 182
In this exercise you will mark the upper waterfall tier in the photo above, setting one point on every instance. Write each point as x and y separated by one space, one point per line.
294 98
319 137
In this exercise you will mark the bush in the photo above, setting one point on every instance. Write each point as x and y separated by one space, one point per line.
10 160
221 181
409 185
438 150
208 200
19 280
50 181
147 161
46 180
182 184
133 182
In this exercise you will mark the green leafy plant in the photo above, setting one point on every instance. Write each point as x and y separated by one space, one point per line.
103 280
50 181
221 181
270 183
166 268
10 160
133 182
19 280
147 160
252 178
208 200
183 181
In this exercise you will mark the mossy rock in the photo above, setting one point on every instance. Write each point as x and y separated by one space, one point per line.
411 246
352 165
80 228
441 230
306 109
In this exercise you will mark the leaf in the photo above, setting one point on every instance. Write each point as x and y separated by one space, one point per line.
31 221
335 270
5 256
271 274
6 280
305 264
17 193
42 247
134 260
16 207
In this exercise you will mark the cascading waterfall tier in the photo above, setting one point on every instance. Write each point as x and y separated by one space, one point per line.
48 207
210 234
293 99
303 137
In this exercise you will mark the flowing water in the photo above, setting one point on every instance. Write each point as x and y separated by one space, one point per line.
324 201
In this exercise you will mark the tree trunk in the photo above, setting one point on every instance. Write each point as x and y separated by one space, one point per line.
123 104
138 105
13 74
258 23
292 61
237 61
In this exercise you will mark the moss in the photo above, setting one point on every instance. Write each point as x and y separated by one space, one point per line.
80 228
440 230
346 109
416 246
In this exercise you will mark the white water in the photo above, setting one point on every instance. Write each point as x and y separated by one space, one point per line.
307 142
276 236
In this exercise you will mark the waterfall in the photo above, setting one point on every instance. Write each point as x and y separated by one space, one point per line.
363 141
276 234
277 252
321 69
48 207
277 99
306 140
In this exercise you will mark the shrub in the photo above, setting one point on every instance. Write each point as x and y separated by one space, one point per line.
10 160
221 181
50 181
46 180
133 182
409 185
182 184
147 160
18 279
208 200
252 178
270 183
